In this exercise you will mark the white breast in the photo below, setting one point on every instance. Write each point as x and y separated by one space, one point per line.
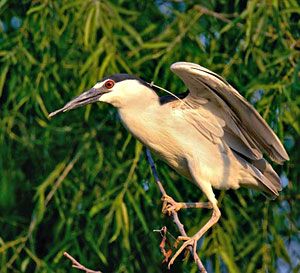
176 142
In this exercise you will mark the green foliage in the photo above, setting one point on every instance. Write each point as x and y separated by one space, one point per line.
80 183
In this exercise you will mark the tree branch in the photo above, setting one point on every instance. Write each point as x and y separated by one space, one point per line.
78 265
174 214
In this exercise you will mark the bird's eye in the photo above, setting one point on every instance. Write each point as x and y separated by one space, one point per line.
109 84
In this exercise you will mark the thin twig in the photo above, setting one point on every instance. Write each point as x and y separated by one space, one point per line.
78 265
154 172
217 15
174 214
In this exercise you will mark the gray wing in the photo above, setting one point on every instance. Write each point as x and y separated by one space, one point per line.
220 112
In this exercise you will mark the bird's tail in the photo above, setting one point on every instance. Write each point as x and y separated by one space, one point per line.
265 177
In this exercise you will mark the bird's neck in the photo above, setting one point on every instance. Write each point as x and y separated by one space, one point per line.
137 101
141 116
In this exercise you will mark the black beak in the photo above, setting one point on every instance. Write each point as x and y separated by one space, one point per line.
87 97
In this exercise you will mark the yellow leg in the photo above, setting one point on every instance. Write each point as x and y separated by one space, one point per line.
192 241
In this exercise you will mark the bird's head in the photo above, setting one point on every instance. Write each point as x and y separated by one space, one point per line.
118 90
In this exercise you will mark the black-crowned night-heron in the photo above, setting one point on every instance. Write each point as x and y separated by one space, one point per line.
211 134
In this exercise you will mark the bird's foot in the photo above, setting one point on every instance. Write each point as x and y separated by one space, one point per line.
189 241
169 205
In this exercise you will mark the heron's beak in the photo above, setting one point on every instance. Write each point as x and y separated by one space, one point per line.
87 97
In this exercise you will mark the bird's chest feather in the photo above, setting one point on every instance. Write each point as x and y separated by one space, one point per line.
152 131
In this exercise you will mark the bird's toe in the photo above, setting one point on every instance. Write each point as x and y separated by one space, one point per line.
170 205
189 241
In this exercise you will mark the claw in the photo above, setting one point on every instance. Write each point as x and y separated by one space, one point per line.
169 205
190 241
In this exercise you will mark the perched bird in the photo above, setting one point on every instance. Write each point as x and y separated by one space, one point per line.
210 134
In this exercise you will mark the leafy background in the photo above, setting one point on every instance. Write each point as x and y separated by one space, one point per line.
80 183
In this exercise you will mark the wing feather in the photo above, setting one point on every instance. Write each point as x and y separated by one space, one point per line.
227 114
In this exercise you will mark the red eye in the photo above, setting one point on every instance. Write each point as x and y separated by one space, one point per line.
109 84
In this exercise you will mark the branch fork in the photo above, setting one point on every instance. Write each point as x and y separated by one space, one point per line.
78 265
171 207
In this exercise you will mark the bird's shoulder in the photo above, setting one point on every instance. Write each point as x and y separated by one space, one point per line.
172 100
